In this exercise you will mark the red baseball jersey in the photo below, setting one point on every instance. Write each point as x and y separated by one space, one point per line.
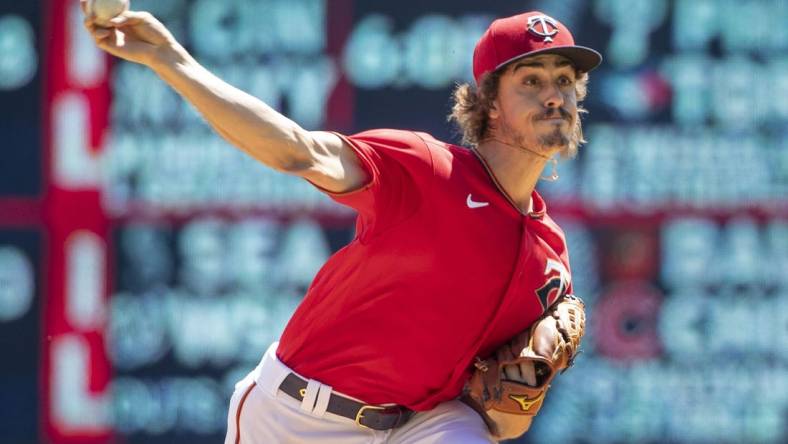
443 268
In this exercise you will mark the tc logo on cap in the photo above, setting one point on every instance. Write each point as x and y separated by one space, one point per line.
548 24
521 35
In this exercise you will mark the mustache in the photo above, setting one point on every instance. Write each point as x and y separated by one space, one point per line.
555 113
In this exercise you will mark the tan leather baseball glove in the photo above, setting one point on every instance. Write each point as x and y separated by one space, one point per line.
508 388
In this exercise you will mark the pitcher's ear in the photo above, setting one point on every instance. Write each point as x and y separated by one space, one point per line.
494 112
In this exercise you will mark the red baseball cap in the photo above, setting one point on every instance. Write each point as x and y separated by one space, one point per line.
508 39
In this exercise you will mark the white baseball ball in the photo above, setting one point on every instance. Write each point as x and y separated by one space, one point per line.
105 10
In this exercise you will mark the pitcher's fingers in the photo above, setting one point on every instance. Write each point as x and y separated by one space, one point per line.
127 18
102 38
86 11
110 43
528 373
91 28
96 31
101 33
90 23
509 371
513 373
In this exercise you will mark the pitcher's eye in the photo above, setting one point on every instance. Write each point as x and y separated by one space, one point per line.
564 81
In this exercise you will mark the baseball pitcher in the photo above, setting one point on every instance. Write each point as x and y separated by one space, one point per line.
451 311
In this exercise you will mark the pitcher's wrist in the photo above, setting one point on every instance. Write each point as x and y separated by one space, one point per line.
167 56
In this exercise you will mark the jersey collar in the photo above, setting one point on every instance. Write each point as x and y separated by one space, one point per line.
539 208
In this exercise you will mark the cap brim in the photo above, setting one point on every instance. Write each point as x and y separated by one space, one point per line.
585 59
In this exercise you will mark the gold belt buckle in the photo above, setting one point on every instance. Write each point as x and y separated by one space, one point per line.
360 414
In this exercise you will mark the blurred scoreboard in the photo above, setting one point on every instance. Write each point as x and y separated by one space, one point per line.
21 240
20 337
20 99
170 260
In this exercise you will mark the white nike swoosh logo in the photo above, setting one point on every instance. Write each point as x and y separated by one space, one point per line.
472 204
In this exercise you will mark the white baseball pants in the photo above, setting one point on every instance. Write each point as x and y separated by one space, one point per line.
261 414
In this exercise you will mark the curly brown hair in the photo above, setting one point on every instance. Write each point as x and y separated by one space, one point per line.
471 109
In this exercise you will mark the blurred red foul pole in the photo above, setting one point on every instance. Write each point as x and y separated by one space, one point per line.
75 371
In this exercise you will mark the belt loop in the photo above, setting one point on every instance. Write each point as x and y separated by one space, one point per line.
317 399
271 371
323 396
308 403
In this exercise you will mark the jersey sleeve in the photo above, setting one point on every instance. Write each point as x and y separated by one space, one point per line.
400 169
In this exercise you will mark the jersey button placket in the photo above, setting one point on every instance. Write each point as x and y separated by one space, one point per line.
523 247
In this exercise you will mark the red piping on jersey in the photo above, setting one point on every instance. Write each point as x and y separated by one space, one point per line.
238 414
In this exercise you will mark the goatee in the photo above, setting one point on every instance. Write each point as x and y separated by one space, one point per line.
555 139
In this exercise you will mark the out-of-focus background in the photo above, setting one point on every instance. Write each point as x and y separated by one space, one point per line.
145 264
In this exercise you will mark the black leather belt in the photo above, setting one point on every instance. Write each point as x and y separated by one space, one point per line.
370 416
